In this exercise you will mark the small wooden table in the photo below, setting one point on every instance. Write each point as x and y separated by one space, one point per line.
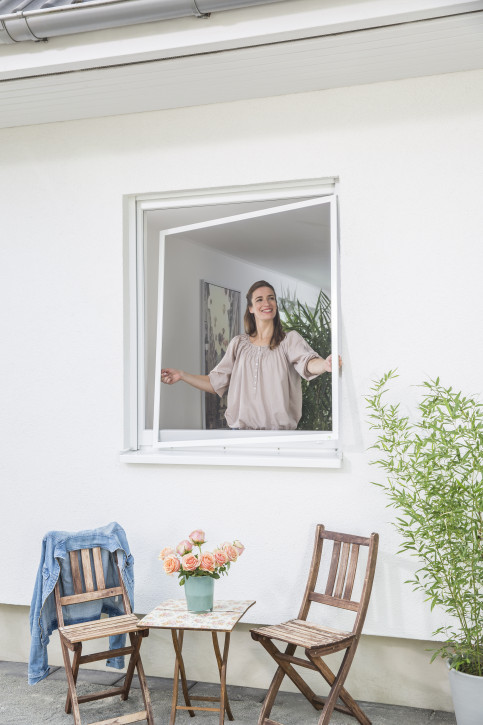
173 614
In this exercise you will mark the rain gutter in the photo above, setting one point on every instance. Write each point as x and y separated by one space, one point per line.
50 20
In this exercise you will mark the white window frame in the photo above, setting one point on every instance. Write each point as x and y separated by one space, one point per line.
265 448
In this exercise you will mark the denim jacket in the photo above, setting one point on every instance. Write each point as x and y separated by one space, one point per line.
54 559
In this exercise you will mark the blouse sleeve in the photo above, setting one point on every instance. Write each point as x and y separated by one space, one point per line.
299 353
221 373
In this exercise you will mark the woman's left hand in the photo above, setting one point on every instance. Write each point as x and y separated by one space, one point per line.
328 363
318 365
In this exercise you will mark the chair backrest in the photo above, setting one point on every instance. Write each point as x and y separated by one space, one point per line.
89 580
341 573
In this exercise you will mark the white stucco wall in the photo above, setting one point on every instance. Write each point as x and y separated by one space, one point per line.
409 156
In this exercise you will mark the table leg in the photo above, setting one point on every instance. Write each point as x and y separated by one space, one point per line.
222 665
179 670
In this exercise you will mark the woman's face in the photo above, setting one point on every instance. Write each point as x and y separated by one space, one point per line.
264 304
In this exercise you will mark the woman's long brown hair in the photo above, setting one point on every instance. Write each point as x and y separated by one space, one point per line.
249 318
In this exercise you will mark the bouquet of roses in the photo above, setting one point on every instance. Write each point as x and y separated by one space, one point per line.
189 560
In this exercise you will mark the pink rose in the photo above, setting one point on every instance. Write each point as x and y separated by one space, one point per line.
197 537
207 561
171 564
184 547
220 557
231 552
167 551
239 547
190 562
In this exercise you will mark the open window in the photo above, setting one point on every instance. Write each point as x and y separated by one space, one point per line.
179 245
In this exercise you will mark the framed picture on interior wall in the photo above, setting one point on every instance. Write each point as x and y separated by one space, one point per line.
220 321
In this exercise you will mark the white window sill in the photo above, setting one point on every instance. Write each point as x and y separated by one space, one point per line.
328 458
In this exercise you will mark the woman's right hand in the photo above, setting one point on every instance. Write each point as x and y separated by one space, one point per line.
170 376
201 382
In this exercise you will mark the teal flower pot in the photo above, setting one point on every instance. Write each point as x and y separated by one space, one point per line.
199 592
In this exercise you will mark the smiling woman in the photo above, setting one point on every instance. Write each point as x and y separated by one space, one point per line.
261 369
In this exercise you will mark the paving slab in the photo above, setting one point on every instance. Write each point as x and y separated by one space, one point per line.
22 704
16 669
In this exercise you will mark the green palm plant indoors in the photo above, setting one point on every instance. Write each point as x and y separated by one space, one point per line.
314 326
434 478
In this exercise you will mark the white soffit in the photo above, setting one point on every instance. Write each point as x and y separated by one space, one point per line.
406 50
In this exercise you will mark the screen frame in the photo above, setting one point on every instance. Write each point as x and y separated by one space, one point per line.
166 438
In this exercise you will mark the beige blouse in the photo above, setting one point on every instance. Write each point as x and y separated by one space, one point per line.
264 388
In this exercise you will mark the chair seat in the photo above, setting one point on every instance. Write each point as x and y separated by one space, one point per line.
306 634
104 627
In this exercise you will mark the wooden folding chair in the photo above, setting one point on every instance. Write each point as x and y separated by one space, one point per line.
89 585
318 641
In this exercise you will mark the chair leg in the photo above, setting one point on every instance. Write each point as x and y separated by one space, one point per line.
75 672
288 670
282 670
337 690
71 684
144 691
136 640
270 696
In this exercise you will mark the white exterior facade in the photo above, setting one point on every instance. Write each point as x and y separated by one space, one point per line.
408 155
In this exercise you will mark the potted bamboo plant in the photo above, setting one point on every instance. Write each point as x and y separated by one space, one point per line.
434 478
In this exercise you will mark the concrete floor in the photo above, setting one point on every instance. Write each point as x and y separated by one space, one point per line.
21 704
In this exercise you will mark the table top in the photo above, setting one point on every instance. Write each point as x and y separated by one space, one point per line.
173 614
